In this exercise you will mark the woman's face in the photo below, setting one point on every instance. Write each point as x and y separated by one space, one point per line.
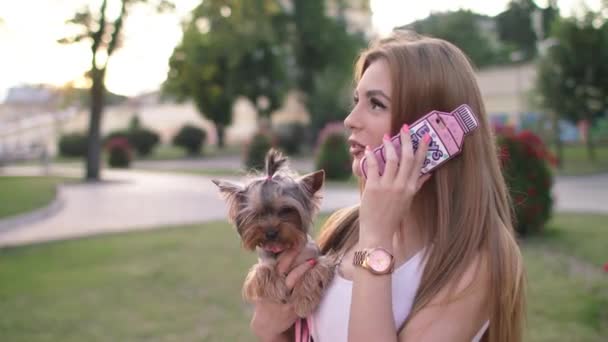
370 117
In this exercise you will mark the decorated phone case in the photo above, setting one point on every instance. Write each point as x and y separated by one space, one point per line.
447 132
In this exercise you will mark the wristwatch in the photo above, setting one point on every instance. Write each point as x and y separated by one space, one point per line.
376 260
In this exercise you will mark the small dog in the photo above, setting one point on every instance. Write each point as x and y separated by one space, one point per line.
273 213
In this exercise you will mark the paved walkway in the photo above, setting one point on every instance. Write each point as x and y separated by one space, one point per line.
133 200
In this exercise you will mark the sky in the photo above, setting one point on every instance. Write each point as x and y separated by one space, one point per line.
30 54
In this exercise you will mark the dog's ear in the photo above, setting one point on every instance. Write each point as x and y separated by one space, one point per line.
233 194
313 181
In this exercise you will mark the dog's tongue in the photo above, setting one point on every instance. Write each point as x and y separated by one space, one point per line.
273 248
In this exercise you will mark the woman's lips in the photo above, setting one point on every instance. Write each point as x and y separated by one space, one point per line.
356 150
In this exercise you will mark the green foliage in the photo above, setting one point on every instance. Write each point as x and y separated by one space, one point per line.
573 77
229 51
325 52
332 152
291 137
73 145
525 163
515 25
144 140
462 28
119 152
256 150
191 139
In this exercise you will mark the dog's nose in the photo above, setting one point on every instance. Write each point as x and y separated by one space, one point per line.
272 234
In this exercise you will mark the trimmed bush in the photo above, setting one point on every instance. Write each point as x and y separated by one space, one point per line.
119 152
191 139
256 149
291 137
143 140
332 152
526 163
73 145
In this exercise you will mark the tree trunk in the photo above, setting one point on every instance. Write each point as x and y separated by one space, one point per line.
221 130
589 141
94 141
558 140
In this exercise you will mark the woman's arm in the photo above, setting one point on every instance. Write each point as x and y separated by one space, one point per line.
371 314
454 316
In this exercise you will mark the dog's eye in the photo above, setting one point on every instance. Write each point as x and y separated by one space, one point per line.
286 211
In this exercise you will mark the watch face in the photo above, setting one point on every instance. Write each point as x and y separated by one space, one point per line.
379 260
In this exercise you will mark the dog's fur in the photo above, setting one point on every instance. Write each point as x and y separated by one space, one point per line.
272 213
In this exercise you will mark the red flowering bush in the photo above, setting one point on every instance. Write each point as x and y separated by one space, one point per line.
332 153
526 163
120 152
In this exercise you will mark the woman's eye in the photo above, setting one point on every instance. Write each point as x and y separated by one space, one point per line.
377 104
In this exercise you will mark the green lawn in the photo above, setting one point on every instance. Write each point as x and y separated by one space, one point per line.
183 284
22 194
576 161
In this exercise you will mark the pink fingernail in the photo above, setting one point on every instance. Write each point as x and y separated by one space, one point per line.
405 128
311 262
386 137
367 148
427 138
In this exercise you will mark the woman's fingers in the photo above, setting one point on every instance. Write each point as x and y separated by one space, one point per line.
372 165
392 160
287 258
407 155
294 276
423 148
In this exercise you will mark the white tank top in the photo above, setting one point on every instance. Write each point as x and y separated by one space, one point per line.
330 319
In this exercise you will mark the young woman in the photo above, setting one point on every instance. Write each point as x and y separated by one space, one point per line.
458 272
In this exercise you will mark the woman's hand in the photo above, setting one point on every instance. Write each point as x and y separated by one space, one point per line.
271 320
387 198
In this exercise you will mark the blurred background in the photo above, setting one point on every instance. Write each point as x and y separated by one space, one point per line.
116 114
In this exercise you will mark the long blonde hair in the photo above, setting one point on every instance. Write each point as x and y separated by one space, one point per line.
465 208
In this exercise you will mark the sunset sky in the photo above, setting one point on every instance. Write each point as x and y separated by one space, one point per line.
30 29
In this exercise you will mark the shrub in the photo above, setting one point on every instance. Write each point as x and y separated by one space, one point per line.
332 152
143 140
291 137
525 162
190 138
256 149
73 145
119 152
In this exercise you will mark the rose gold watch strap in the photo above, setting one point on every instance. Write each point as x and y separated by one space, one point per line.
359 257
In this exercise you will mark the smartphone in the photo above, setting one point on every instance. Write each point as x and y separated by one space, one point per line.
446 130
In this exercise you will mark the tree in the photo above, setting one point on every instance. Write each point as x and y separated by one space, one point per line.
324 53
105 36
231 49
515 25
573 76
464 29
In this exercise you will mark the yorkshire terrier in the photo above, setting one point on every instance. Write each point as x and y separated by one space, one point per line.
273 213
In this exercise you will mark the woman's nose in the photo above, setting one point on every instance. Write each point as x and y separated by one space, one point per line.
351 122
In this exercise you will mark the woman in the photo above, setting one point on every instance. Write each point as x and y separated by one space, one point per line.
458 272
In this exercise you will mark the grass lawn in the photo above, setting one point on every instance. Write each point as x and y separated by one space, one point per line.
576 161
22 194
183 284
